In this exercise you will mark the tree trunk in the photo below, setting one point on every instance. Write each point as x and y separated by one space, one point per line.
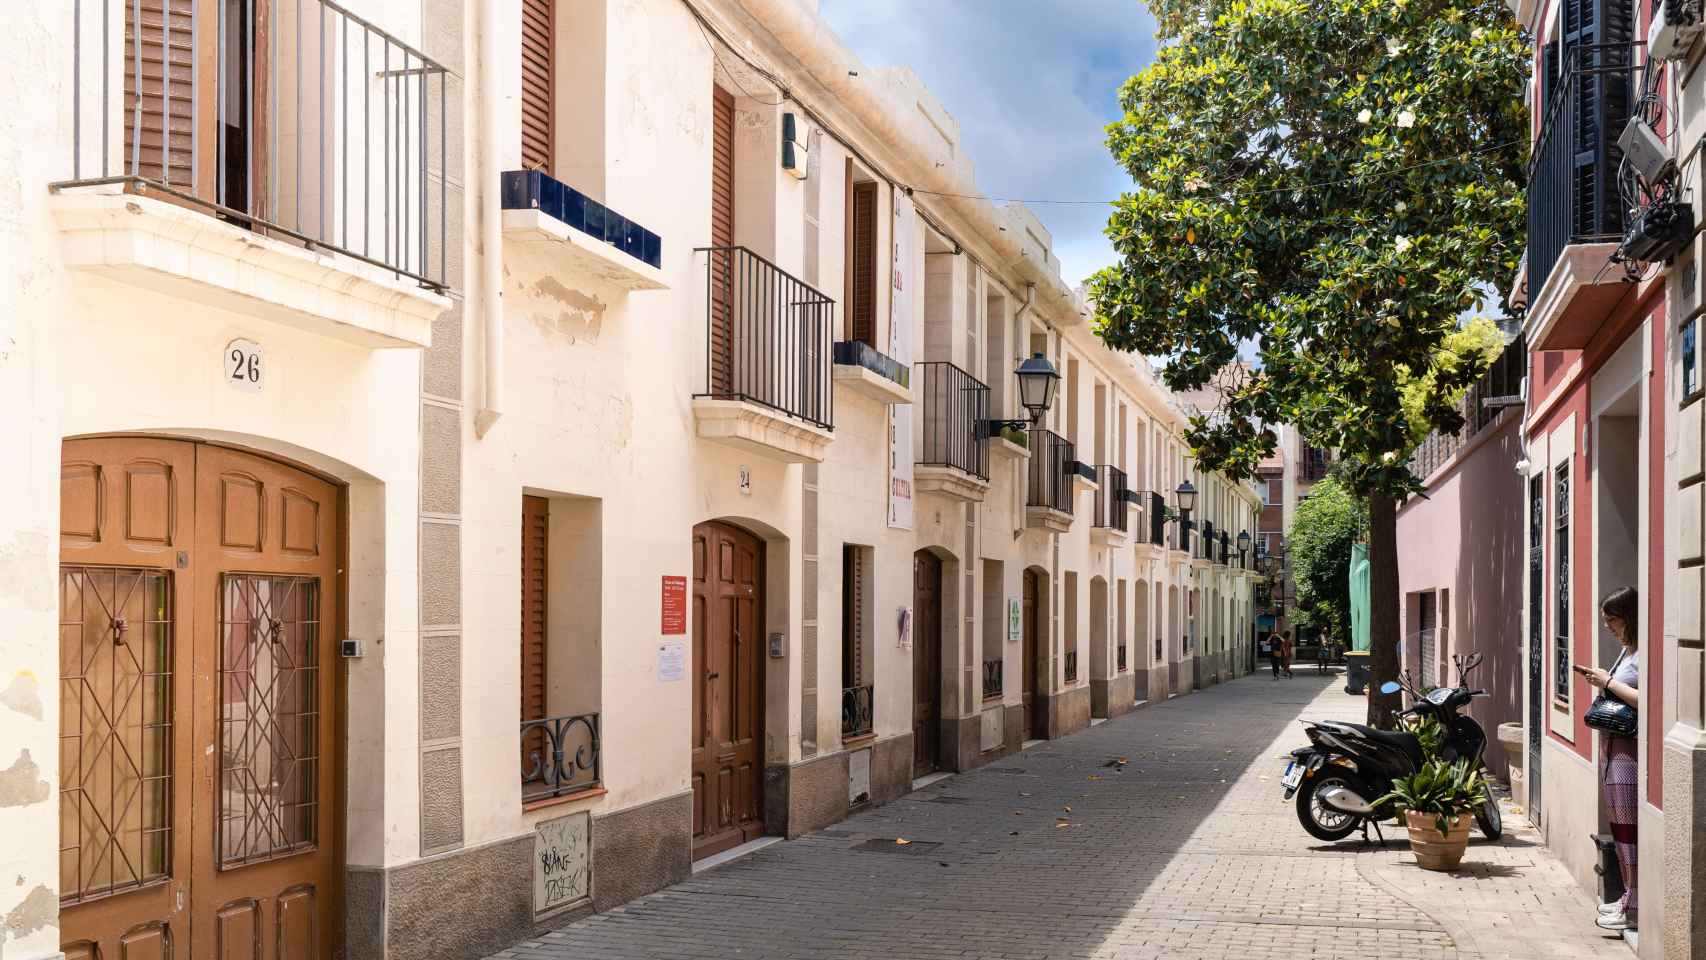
1383 609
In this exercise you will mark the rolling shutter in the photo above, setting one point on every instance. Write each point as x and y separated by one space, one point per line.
537 85
152 148
862 298
534 533
722 237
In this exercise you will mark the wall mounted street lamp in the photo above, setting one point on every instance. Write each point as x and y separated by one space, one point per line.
1243 548
1186 496
1038 381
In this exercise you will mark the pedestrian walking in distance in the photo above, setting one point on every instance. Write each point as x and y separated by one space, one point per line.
1275 654
1285 653
1619 777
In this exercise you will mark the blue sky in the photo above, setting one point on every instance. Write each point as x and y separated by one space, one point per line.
1032 83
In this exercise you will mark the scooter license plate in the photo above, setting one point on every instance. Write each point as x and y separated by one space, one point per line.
1293 776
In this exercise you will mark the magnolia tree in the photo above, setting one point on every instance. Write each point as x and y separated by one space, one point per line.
1330 184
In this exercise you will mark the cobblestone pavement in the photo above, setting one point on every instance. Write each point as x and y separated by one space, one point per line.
1186 850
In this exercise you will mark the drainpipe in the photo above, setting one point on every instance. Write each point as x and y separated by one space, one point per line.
1021 355
491 235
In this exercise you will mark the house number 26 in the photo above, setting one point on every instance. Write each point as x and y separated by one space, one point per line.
244 368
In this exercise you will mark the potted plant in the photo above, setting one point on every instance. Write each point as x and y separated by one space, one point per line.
1015 436
1439 803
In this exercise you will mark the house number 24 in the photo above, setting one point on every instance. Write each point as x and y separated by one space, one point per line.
244 367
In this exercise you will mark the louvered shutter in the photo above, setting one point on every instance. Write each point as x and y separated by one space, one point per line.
538 52
534 538
153 148
862 305
722 260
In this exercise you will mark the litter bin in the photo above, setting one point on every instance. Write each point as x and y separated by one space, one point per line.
1356 671
1609 870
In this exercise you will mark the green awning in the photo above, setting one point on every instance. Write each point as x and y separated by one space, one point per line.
1359 596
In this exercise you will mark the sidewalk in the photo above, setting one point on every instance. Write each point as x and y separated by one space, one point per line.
1185 851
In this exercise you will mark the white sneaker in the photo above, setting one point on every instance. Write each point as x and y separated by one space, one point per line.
1607 909
1614 921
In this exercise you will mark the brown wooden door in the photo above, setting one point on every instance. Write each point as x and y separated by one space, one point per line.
861 260
226 808
926 663
181 113
1036 684
728 691
535 536
538 84
723 261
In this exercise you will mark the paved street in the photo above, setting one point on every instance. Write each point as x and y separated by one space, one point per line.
1185 851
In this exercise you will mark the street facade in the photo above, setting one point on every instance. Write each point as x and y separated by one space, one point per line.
560 478
1160 834
544 445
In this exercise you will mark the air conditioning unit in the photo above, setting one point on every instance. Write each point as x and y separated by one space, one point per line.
1675 25
794 155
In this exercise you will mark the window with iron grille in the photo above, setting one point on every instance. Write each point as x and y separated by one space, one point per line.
1561 575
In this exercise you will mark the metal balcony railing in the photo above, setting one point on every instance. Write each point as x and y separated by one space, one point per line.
768 337
559 755
993 679
294 118
952 405
856 712
1049 483
1110 499
1572 176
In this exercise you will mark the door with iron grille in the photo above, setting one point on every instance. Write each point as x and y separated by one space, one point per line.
199 756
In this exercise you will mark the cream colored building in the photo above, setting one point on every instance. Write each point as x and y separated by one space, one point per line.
632 504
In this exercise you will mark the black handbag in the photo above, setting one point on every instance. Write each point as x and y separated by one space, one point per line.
1611 714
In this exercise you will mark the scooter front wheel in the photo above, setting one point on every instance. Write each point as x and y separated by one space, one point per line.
1490 819
1322 821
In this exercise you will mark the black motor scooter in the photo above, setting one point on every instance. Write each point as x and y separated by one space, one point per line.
1348 766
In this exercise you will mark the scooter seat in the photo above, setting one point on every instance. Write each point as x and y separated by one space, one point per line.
1403 742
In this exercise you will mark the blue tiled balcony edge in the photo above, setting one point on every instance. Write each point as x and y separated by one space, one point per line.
858 353
534 190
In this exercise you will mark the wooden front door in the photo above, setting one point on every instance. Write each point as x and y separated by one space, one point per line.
201 761
926 663
728 692
1036 683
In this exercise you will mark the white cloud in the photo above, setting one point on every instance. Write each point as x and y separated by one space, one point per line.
1032 85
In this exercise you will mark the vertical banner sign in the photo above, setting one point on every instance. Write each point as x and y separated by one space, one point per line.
902 297
674 605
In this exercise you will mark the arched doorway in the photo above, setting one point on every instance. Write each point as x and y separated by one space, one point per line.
201 762
1101 660
1034 617
926 663
728 691
1143 648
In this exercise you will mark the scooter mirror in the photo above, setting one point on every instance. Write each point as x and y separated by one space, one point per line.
1390 686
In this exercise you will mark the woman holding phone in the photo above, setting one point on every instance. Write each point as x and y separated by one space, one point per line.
1622 682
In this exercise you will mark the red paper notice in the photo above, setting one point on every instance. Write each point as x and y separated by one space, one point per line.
674 605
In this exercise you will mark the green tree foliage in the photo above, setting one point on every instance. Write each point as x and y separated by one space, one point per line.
1473 347
1333 182
1326 524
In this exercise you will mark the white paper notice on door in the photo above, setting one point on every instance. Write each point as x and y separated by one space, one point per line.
672 661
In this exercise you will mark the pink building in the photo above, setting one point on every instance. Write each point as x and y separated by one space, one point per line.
1460 559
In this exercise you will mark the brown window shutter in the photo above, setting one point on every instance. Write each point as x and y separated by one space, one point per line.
147 137
862 303
722 236
534 533
538 52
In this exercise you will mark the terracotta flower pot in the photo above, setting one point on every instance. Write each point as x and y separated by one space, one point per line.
1435 850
